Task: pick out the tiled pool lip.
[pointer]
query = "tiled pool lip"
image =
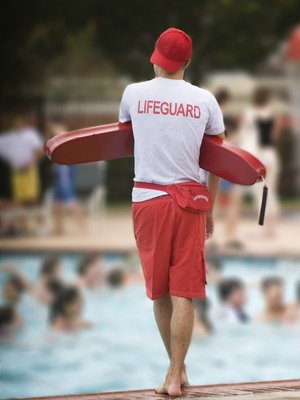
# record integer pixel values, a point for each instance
(37, 246)
(253, 390)
(113, 233)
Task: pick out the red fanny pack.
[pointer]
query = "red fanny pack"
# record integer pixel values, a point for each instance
(191, 196)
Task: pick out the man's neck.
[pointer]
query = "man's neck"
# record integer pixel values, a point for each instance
(178, 75)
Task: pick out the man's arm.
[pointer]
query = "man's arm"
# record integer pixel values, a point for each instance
(213, 186)
(124, 112)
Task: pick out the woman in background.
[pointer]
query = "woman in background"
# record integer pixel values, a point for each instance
(259, 134)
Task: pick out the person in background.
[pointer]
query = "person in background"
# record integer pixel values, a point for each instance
(66, 311)
(12, 292)
(116, 278)
(49, 272)
(22, 147)
(223, 97)
(229, 198)
(8, 322)
(202, 325)
(64, 193)
(276, 310)
(90, 272)
(260, 130)
(232, 295)
(43, 289)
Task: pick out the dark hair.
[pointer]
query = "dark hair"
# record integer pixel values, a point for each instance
(270, 281)
(63, 299)
(222, 95)
(49, 264)
(261, 96)
(116, 277)
(86, 263)
(228, 286)
(55, 286)
(7, 315)
(17, 283)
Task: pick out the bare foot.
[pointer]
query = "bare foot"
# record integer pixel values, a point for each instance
(184, 378)
(161, 390)
(173, 388)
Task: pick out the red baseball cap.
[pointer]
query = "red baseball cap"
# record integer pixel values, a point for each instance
(172, 50)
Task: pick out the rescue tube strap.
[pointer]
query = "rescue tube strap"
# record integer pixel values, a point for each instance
(262, 212)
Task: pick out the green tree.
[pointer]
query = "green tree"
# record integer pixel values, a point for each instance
(226, 34)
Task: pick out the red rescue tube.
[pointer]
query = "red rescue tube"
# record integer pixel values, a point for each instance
(113, 141)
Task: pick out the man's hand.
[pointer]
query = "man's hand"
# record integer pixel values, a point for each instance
(209, 225)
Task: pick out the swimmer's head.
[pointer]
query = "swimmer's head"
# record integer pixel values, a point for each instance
(13, 290)
(91, 270)
(273, 290)
(172, 53)
(116, 277)
(50, 268)
(68, 304)
(232, 291)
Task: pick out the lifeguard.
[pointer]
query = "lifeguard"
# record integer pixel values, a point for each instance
(169, 118)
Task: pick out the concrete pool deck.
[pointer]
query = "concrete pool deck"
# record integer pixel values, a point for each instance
(274, 390)
(112, 231)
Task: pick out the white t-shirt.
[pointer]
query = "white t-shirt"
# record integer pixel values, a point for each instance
(19, 147)
(169, 118)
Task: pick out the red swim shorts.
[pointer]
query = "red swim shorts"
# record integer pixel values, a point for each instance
(170, 241)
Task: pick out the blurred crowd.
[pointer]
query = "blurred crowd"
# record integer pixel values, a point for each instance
(30, 185)
(232, 307)
(26, 185)
(65, 300)
(33, 188)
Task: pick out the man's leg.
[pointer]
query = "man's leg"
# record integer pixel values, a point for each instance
(163, 313)
(176, 340)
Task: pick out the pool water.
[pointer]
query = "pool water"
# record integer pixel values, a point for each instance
(124, 350)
